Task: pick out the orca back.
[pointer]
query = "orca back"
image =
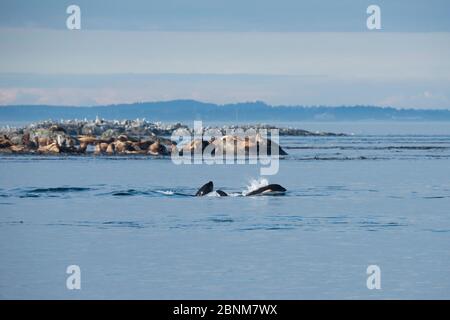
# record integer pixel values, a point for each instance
(222, 193)
(267, 190)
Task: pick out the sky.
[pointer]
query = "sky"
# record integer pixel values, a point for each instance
(282, 52)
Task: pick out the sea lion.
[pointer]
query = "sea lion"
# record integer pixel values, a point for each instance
(98, 149)
(103, 146)
(44, 141)
(111, 149)
(144, 144)
(122, 138)
(236, 145)
(154, 148)
(82, 148)
(15, 148)
(5, 142)
(157, 148)
(51, 148)
(87, 139)
(121, 146)
(194, 146)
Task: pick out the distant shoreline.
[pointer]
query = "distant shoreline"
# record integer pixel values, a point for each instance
(189, 110)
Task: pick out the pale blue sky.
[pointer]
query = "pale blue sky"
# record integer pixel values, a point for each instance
(229, 15)
(281, 52)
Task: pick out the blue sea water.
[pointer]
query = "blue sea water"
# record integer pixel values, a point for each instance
(378, 197)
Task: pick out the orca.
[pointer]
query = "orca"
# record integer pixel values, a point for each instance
(205, 189)
(271, 189)
(221, 193)
(208, 188)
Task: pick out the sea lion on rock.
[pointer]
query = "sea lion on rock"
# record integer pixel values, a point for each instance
(250, 145)
(97, 149)
(111, 149)
(144, 145)
(102, 146)
(51, 148)
(82, 148)
(87, 139)
(121, 146)
(157, 148)
(44, 141)
(15, 148)
(122, 138)
(5, 142)
(194, 146)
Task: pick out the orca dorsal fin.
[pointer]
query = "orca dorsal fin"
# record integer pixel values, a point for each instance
(205, 189)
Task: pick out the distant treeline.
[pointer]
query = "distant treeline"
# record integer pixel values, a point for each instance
(185, 110)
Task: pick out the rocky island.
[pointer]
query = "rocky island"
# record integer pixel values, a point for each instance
(111, 137)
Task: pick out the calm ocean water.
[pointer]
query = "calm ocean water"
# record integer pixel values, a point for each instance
(380, 196)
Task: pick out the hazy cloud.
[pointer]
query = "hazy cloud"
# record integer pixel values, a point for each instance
(288, 52)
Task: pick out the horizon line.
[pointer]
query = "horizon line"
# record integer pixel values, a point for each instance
(225, 105)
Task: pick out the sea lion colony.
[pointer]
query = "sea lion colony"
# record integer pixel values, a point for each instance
(116, 137)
